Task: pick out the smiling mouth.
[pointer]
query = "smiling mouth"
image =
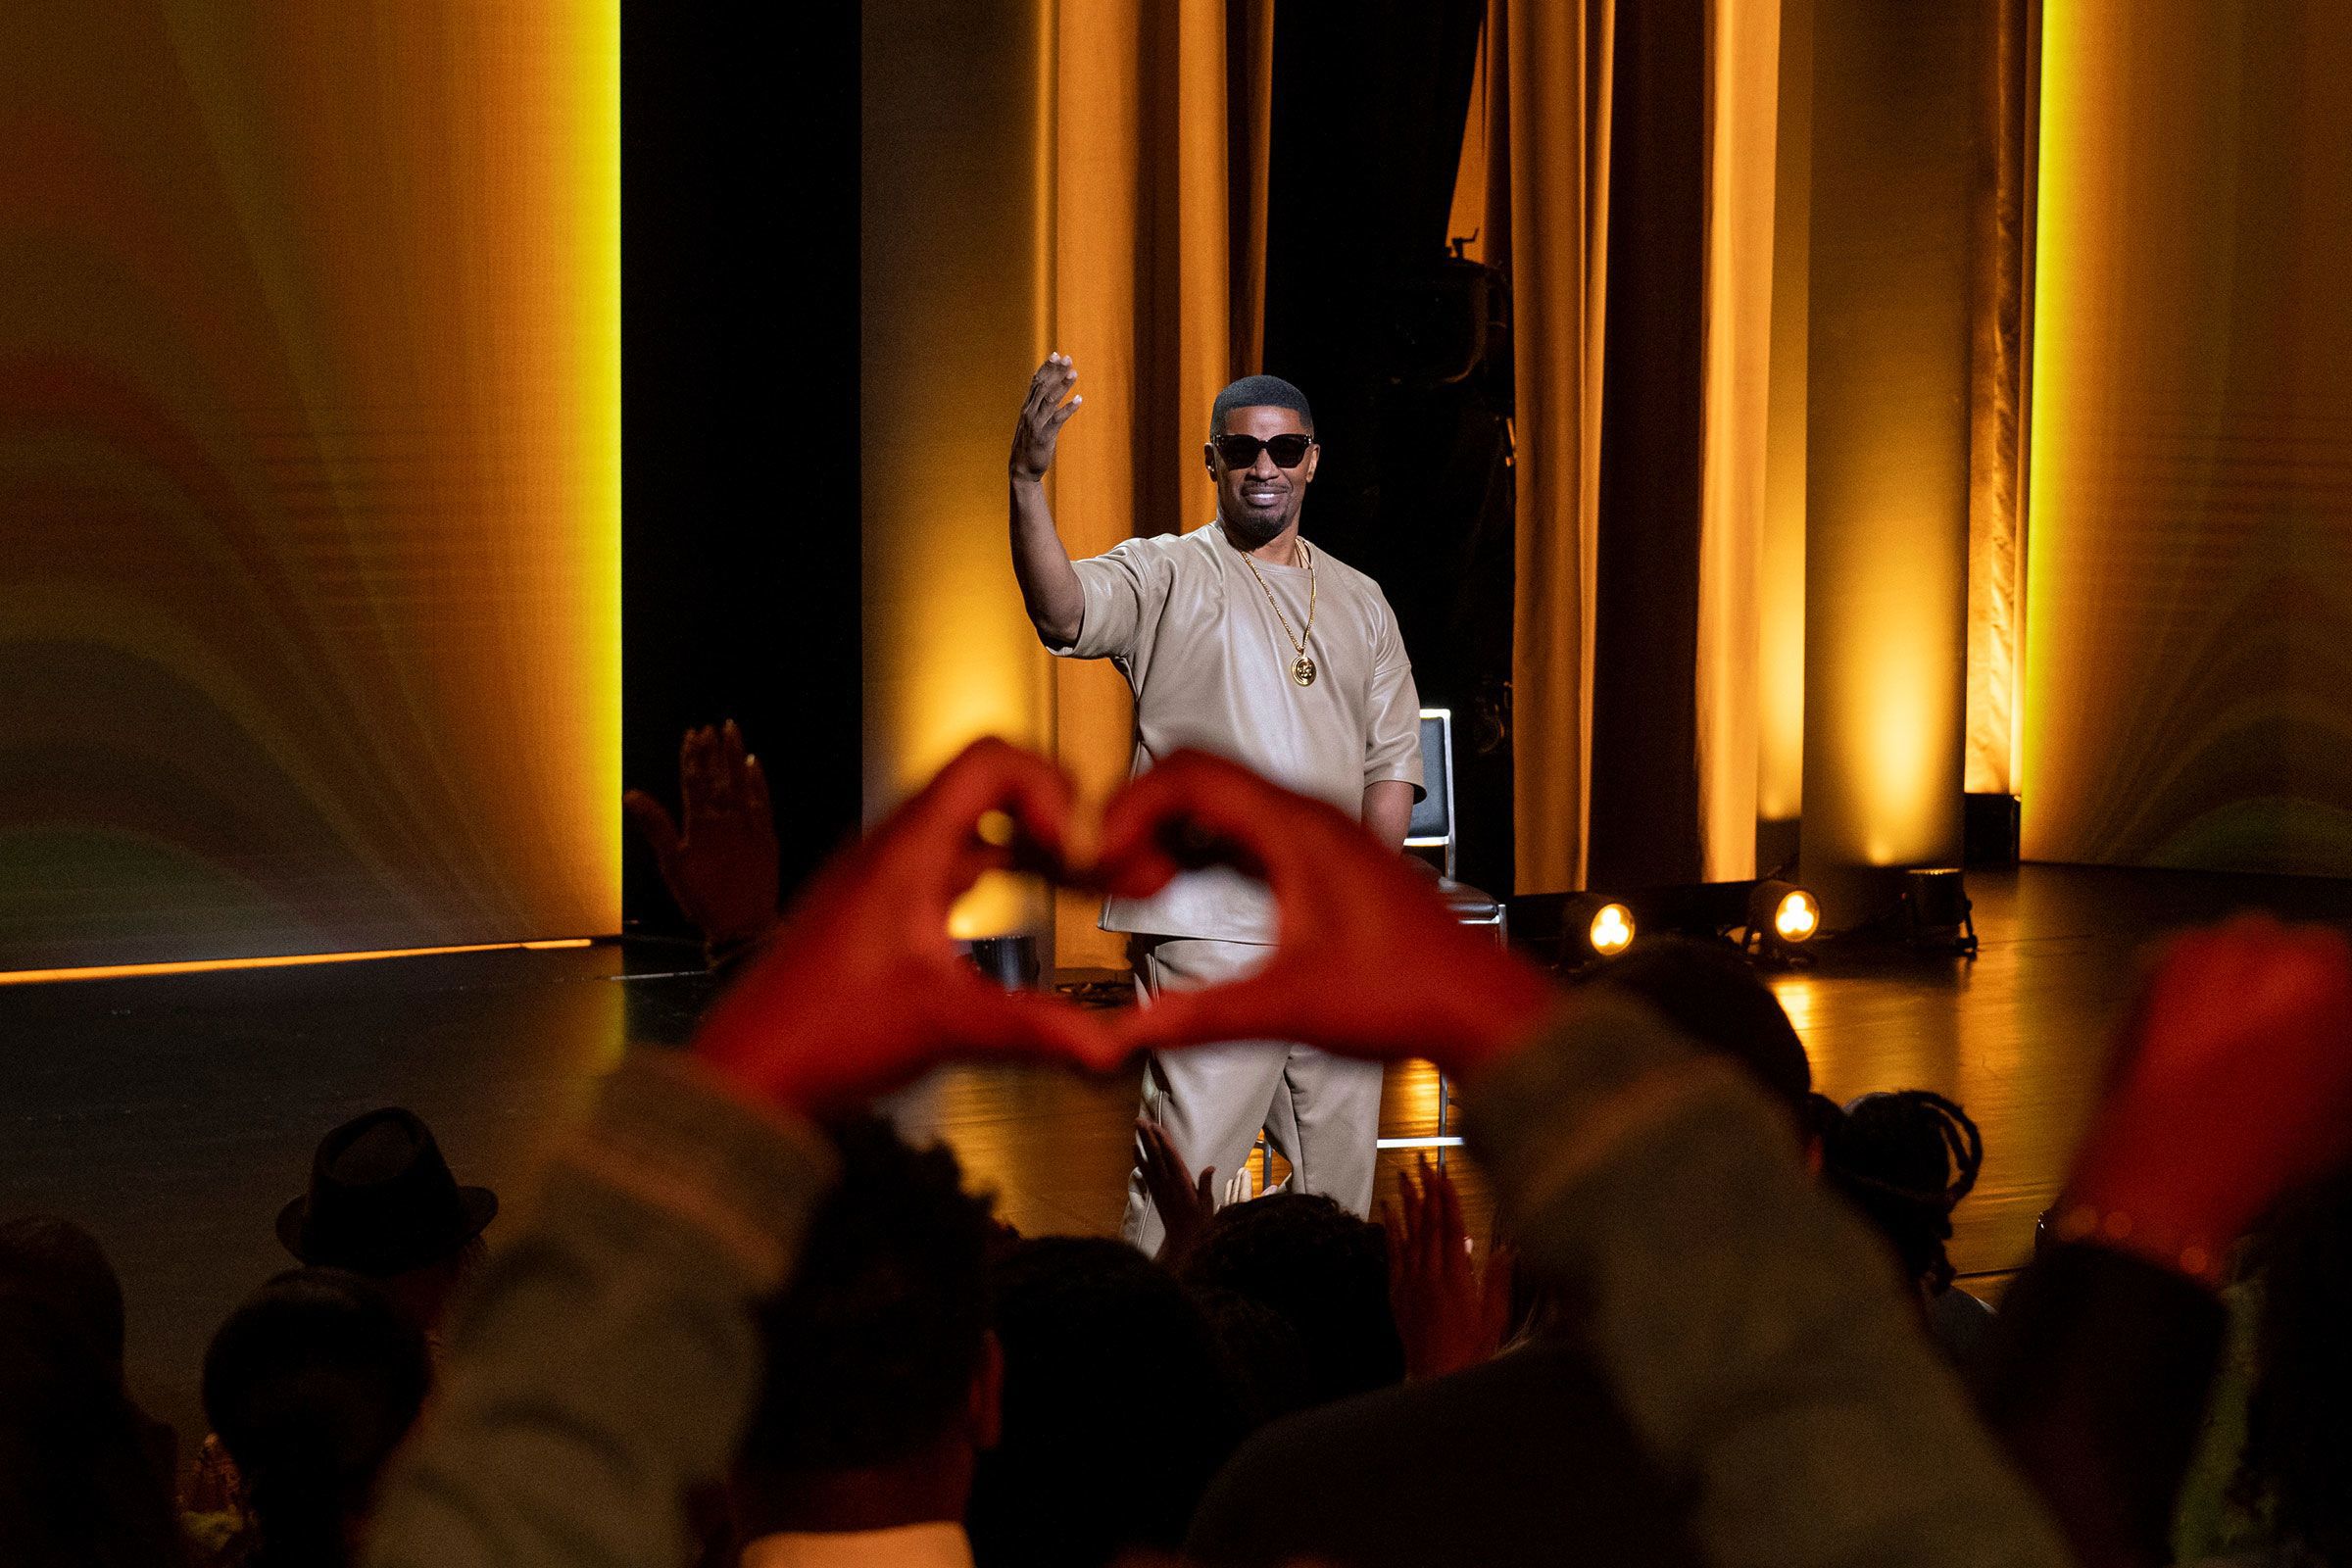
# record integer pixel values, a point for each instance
(1258, 497)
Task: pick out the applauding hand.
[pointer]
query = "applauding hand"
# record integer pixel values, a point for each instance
(1448, 1314)
(721, 865)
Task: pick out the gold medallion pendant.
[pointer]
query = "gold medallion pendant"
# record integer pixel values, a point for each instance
(1303, 671)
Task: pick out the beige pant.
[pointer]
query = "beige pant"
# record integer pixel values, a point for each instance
(1321, 1112)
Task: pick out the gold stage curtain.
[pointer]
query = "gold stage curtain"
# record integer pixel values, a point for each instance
(955, 272)
(1087, 175)
(1555, 71)
(1157, 155)
(1781, 553)
(2000, 336)
(1742, 102)
(1555, 78)
(1745, 713)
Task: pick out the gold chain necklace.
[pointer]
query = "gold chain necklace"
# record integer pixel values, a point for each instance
(1302, 669)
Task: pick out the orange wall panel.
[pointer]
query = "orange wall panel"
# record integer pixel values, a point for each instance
(309, 476)
(2189, 556)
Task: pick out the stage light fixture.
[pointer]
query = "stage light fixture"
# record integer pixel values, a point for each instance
(1612, 930)
(1935, 900)
(1795, 918)
(1781, 917)
(1594, 928)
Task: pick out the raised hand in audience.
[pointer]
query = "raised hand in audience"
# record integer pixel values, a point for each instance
(1449, 1313)
(1369, 961)
(1185, 1202)
(2233, 1083)
(860, 991)
(720, 862)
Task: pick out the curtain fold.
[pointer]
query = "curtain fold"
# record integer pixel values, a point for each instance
(1742, 104)
(1557, 69)
(2001, 264)
(1556, 73)
(1779, 681)
(1248, 140)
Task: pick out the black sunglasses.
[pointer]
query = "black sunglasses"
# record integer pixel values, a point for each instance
(1240, 451)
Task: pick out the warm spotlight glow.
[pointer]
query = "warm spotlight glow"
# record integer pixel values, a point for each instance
(1592, 928)
(1782, 915)
(953, 295)
(1887, 449)
(1798, 917)
(1612, 930)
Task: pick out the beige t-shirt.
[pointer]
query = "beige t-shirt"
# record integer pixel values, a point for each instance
(1210, 668)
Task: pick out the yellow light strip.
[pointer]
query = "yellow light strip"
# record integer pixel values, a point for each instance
(124, 971)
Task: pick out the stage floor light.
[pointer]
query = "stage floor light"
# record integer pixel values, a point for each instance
(1781, 917)
(1797, 916)
(1594, 928)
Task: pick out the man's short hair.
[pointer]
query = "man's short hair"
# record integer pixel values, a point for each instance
(1259, 392)
(1708, 992)
(311, 1385)
(873, 1348)
(61, 1264)
(1117, 1407)
(1323, 1269)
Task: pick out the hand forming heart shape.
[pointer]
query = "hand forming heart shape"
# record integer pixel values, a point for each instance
(860, 989)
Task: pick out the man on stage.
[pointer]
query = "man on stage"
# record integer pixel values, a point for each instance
(1244, 640)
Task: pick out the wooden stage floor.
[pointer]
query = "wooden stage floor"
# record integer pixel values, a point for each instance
(174, 1116)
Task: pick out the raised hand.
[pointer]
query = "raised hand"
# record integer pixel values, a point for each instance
(721, 865)
(2234, 1084)
(1185, 1202)
(1043, 415)
(1449, 1315)
(1369, 962)
(860, 991)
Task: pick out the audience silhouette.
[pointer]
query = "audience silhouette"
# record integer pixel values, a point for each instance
(310, 1386)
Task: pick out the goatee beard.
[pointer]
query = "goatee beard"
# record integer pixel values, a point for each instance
(1251, 532)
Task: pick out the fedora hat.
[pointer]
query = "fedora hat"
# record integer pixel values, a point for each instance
(381, 1199)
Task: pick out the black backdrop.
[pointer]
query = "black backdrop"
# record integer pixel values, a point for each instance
(739, 399)
(1405, 355)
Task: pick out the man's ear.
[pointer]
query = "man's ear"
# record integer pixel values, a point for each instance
(1208, 459)
(986, 1412)
(1314, 454)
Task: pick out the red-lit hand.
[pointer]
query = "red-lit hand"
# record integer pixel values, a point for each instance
(721, 864)
(860, 991)
(1448, 1315)
(2234, 1084)
(1369, 962)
